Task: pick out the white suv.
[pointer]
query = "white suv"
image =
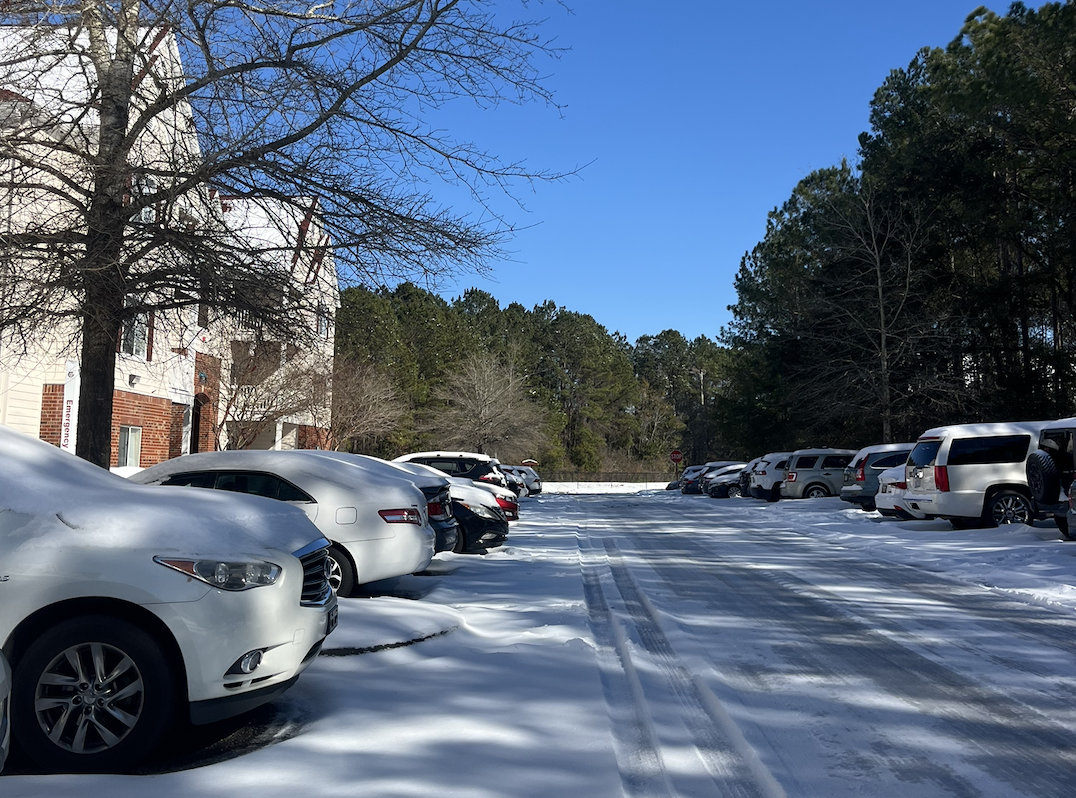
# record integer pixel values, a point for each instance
(973, 474)
(768, 474)
(123, 606)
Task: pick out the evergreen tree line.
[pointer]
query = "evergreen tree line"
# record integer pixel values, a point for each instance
(547, 383)
(930, 282)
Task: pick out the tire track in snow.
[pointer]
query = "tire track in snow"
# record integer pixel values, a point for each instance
(642, 770)
(1009, 741)
(731, 766)
(734, 766)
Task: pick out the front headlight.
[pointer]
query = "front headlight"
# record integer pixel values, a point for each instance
(483, 512)
(226, 575)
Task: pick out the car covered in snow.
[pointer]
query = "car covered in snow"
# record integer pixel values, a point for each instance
(377, 524)
(469, 465)
(433, 484)
(528, 475)
(124, 607)
(481, 518)
(5, 712)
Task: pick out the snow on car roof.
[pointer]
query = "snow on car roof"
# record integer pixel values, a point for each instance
(58, 497)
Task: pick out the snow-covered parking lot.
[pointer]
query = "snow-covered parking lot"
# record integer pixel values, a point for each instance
(653, 644)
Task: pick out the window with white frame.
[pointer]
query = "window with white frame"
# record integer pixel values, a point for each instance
(135, 339)
(130, 446)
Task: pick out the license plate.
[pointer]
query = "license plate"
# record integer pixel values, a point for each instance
(334, 617)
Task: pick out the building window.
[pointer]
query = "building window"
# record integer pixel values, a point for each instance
(135, 340)
(130, 447)
(323, 321)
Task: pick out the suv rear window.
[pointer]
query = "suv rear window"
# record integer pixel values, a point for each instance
(806, 461)
(924, 453)
(890, 460)
(995, 449)
(836, 460)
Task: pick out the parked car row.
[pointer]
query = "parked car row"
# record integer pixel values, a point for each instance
(971, 475)
(200, 587)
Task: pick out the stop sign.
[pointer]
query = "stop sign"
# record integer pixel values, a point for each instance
(676, 455)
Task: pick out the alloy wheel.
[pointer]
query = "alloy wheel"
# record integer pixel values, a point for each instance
(89, 698)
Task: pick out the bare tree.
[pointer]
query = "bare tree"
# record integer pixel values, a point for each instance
(125, 122)
(356, 402)
(262, 383)
(488, 408)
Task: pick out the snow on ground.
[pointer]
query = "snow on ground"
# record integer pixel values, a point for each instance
(490, 676)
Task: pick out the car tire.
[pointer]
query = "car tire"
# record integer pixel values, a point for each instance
(774, 494)
(815, 492)
(1043, 477)
(734, 492)
(869, 506)
(1062, 522)
(92, 694)
(1007, 507)
(341, 572)
(461, 540)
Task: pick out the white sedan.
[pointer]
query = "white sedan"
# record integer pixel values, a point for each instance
(889, 500)
(377, 523)
(5, 714)
(123, 607)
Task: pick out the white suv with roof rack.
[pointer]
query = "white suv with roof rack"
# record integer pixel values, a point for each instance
(973, 474)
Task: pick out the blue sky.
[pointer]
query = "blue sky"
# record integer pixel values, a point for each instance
(692, 125)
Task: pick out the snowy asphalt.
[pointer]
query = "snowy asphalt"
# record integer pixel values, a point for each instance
(654, 644)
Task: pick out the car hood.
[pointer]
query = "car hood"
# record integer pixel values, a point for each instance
(52, 498)
(424, 479)
(465, 490)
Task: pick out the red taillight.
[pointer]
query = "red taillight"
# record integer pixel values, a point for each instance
(941, 478)
(901, 485)
(761, 473)
(408, 515)
(861, 475)
(436, 510)
(791, 476)
(511, 509)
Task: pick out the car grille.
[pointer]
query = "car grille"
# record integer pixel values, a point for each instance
(316, 590)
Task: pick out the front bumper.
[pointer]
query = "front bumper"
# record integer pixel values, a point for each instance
(214, 632)
(481, 533)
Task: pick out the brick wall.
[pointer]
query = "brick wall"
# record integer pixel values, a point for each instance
(52, 410)
(206, 397)
(312, 438)
(153, 414)
(175, 437)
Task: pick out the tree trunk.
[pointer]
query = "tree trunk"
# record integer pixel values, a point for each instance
(103, 270)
